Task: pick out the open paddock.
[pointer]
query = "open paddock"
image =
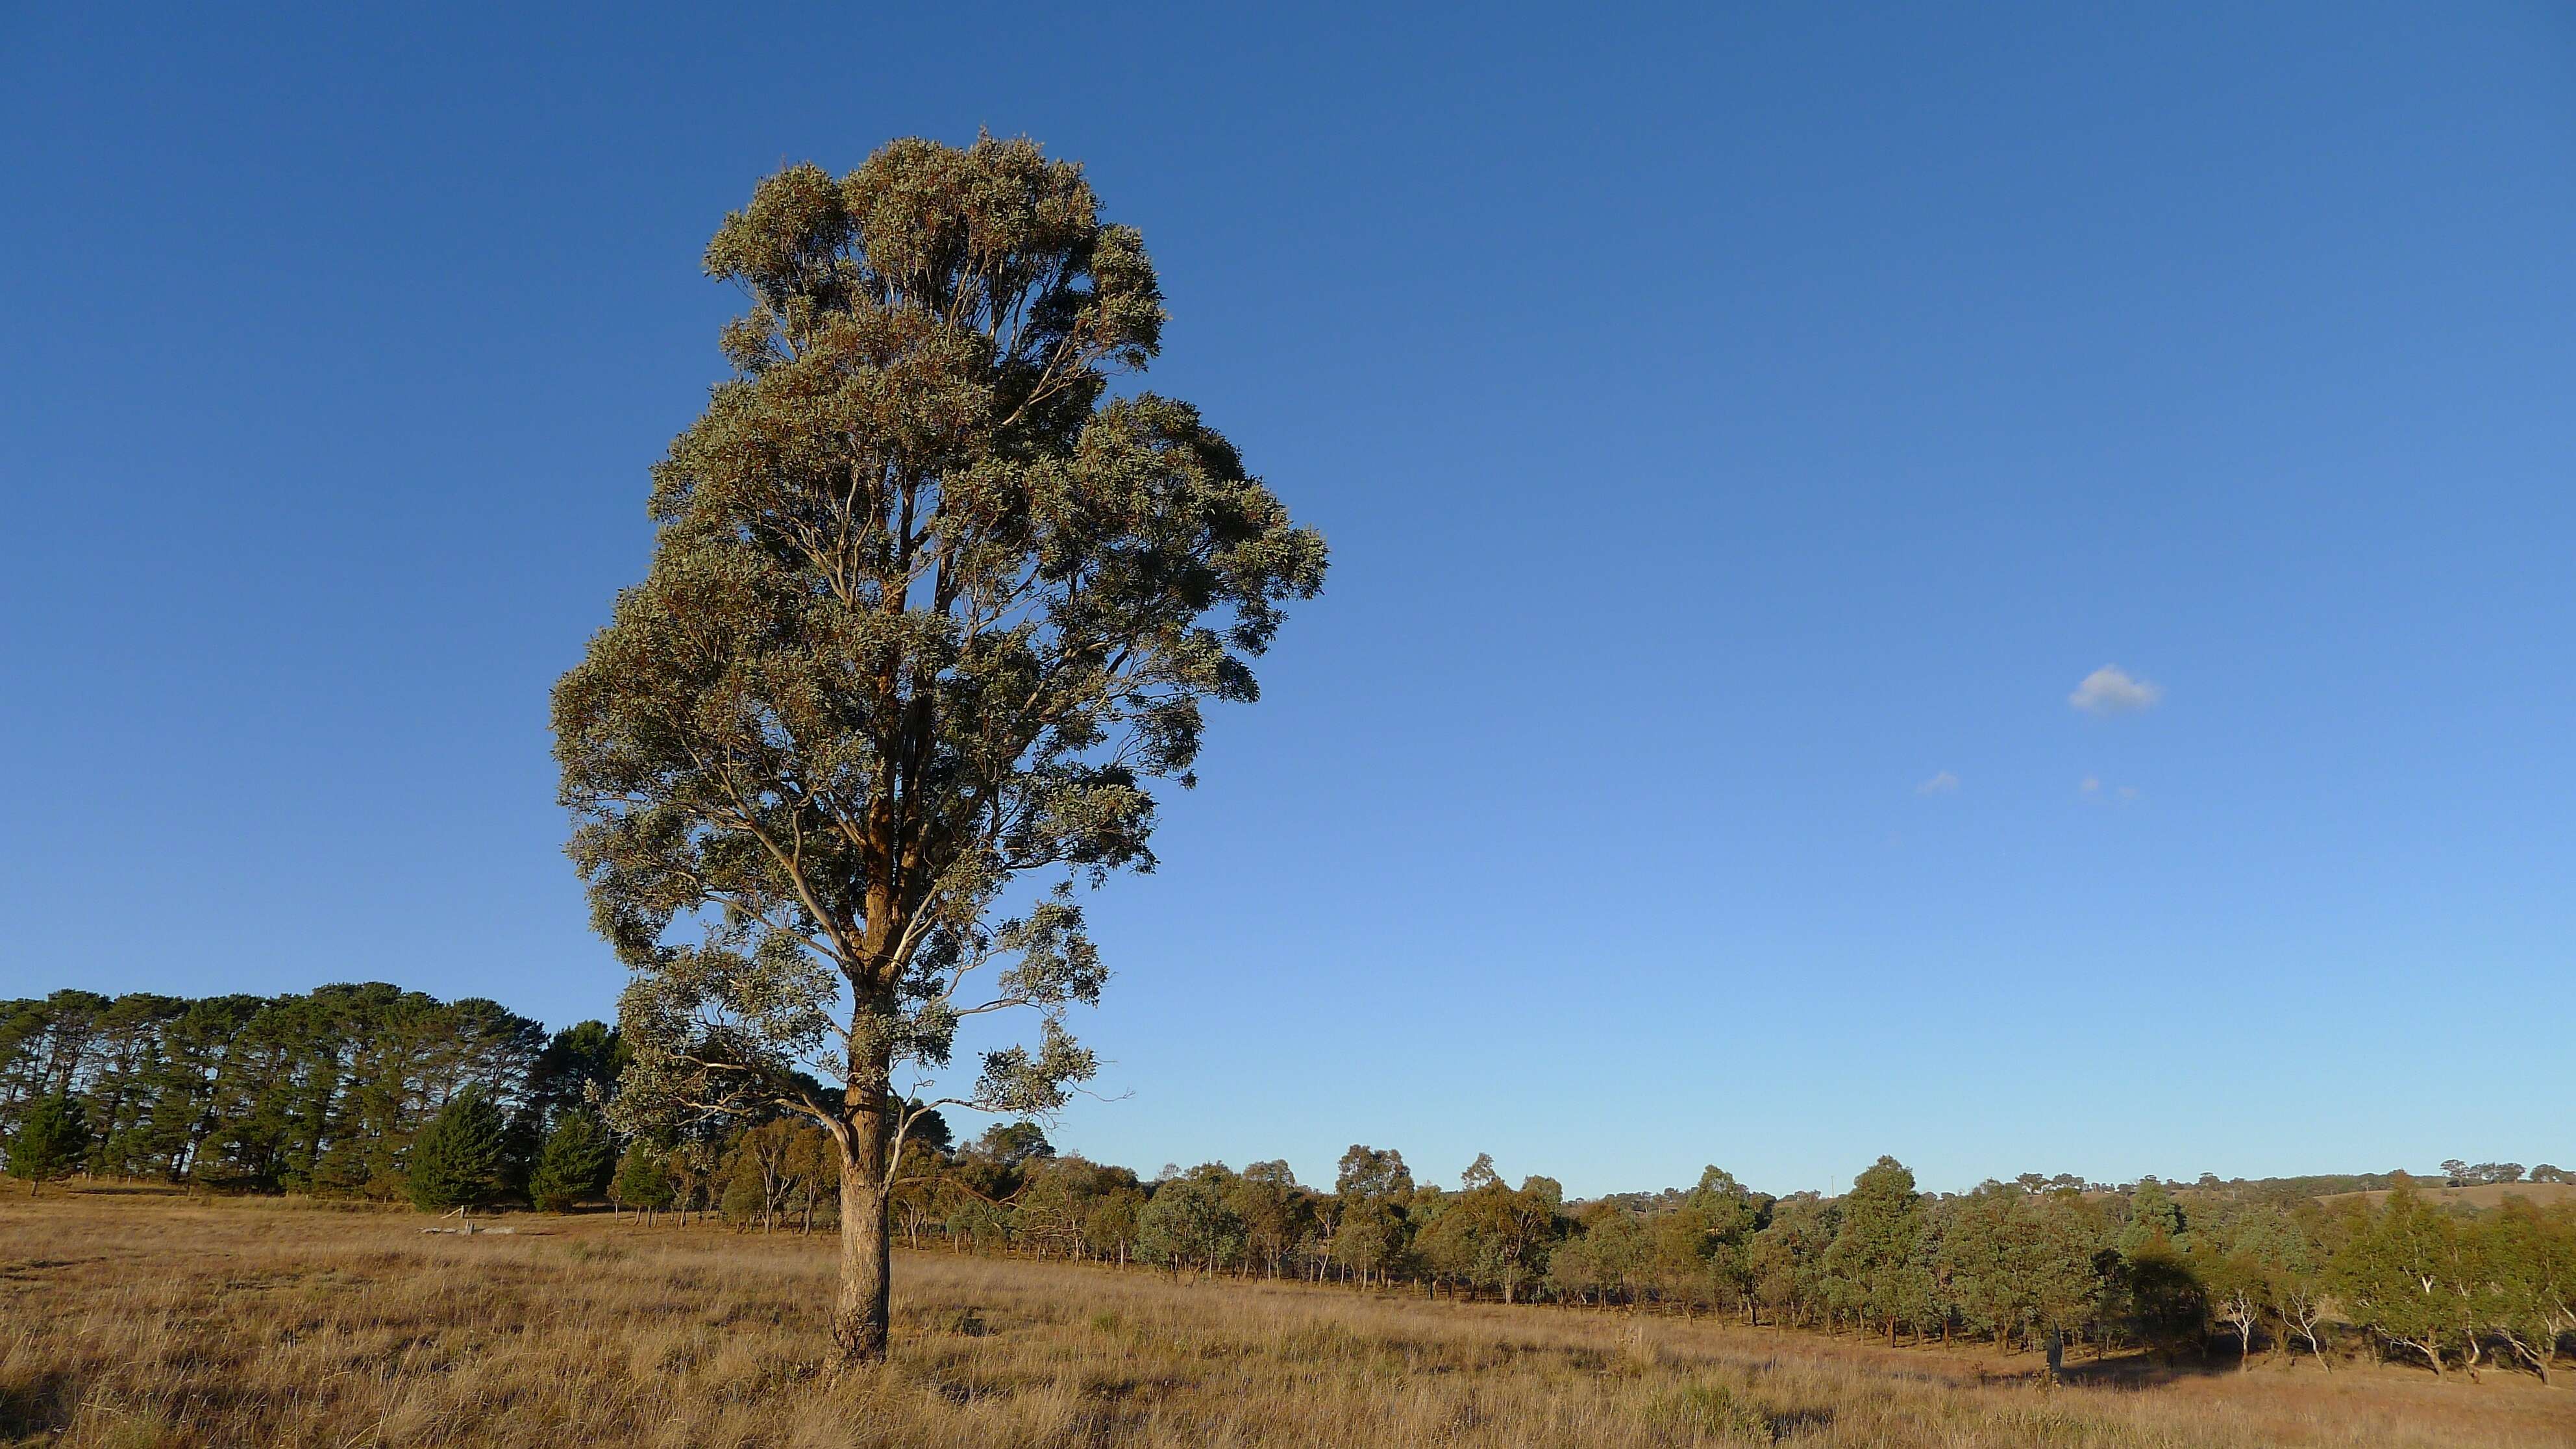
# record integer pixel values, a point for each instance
(135, 1319)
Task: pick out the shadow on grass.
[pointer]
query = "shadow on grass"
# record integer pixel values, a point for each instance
(42, 1406)
(1798, 1421)
(2148, 1371)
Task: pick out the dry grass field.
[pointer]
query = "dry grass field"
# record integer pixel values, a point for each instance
(135, 1320)
(2484, 1196)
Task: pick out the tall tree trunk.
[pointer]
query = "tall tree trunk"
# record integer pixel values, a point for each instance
(860, 1315)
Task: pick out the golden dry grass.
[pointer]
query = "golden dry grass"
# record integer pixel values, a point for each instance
(2484, 1195)
(138, 1320)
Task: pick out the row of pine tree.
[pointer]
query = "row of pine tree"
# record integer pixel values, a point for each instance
(360, 1090)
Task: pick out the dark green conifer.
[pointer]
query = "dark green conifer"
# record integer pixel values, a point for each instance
(574, 1163)
(457, 1160)
(50, 1141)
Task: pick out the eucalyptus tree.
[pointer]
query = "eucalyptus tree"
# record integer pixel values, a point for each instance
(1274, 1209)
(2067, 1265)
(1979, 1253)
(2532, 1257)
(1882, 1227)
(1188, 1223)
(1731, 1214)
(1787, 1257)
(2267, 1264)
(2393, 1277)
(1593, 1264)
(1373, 1192)
(2237, 1288)
(1490, 1236)
(930, 610)
(1109, 1228)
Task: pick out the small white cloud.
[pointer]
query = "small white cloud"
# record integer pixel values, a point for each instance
(1944, 783)
(2113, 690)
(2092, 788)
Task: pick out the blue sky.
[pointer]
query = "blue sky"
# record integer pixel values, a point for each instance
(1739, 435)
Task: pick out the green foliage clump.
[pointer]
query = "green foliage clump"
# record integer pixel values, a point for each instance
(1877, 1255)
(574, 1162)
(2154, 1217)
(457, 1161)
(1492, 1237)
(2400, 1275)
(643, 1180)
(1187, 1223)
(2168, 1302)
(52, 1138)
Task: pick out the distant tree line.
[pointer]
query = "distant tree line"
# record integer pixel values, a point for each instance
(369, 1091)
(361, 1090)
(2456, 1173)
(2047, 1264)
(2039, 1263)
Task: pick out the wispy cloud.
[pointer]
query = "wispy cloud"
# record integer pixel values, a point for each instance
(2113, 690)
(2092, 785)
(1944, 783)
